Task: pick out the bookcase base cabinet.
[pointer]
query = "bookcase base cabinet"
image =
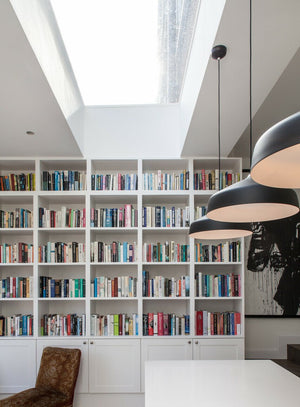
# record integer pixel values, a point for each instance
(114, 365)
(190, 349)
(82, 385)
(18, 365)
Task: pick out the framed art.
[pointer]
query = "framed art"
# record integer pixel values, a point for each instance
(272, 280)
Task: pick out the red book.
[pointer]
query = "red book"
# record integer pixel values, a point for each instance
(120, 324)
(203, 179)
(222, 324)
(237, 323)
(150, 323)
(160, 324)
(115, 281)
(69, 324)
(199, 322)
(14, 293)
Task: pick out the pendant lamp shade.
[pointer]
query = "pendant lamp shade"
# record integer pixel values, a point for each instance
(208, 229)
(276, 155)
(247, 201)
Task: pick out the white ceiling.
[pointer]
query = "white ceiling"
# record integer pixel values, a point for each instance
(28, 103)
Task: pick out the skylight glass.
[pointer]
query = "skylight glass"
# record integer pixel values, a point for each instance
(127, 51)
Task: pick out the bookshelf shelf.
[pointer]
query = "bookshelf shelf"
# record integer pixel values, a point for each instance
(88, 202)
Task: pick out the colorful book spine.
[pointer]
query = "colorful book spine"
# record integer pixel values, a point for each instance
(16, 325)
(114, 182)
(217, 323)
(167, 324)
(114, 325)
(59, 252)
(166, 252)
(63, 325)
(115, 252)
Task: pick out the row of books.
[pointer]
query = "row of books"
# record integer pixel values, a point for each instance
(210, 179)
(217, 323)
(200, 211)
(16, 287)
(114, 182)
(59, 252)
(106, 287)
(63, 218)
(116, 252)
(163, 181)
(18, 218)
(161, 216)
(16, 325)
(166, 252)
(114, 217)
(165, 324)
(63, 325)
(222, 252)
(16, 253)
(160, 286)
(62, 288)
(114, 325)
(221, 285)
(17, 182)
(59, 180)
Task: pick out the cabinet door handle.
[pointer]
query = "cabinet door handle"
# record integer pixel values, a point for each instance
(189, 342)
(84, 342)
(196, 342)
(92, 343)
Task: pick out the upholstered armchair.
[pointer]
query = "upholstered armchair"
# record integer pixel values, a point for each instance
(55, 383)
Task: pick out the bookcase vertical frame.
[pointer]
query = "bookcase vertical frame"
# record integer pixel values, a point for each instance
(192, 251)
(36, 250)
(87, 248)
(140, 247)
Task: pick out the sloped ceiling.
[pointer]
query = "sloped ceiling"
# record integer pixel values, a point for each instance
(26, 99)
(276, 40)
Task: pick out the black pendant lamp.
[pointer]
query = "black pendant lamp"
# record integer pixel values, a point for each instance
(276, 155)
(248, 201)
(208, 229)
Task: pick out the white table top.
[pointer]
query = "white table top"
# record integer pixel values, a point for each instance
(212, 383)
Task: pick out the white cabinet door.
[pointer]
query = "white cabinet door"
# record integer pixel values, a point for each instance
(164, 349)
(83, 378)
(218, 349)
(114, 366)
(18, 365)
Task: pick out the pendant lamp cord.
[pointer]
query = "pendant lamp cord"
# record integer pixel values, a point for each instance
(250, 80)
(219, 120)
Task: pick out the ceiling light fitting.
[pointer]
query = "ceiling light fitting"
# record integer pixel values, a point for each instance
(208, 229)
(248, 201)
(276, 155)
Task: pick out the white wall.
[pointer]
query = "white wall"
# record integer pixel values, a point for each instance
(132, 131)
(266, 338)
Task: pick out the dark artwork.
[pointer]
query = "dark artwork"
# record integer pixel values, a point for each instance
(273, 268)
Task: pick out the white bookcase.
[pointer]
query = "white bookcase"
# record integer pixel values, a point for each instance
(144, 348)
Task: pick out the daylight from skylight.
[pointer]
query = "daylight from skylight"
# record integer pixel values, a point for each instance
(127, 51)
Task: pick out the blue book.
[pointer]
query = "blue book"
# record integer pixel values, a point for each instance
(125, 245)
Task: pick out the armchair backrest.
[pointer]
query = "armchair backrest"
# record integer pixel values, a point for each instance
(59, 370)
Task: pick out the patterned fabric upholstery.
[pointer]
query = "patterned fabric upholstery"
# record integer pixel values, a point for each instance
(55, 383)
